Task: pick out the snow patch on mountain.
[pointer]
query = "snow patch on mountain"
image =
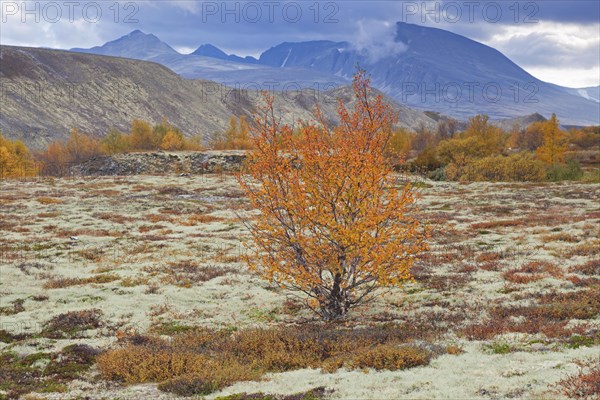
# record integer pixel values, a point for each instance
(286, 58)
(588, 93)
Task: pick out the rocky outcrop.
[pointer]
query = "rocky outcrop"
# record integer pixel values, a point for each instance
(159, 163)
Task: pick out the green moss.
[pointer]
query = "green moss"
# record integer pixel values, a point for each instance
(53, 387)
(189, 386)
(421, 185)
(6, 337)
(44, 372)
(245, 396)
(500, 348)
(31, 359)
(313, 394)
(262, 315)
(577, 341)
(171, 328)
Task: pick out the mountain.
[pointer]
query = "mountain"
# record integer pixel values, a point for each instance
(519, 122)
(424, 68)
(323, 55)
(46, 92)
(210, 63)
(137, 45)
(208, 50)
(436, 69)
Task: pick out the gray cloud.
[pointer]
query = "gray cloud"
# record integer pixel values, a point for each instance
(238, 28)
(539, 50)
(375, 40)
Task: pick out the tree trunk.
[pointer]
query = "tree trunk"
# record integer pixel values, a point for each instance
(336, 303)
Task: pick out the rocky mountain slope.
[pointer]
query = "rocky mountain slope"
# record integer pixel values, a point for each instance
(47, 92)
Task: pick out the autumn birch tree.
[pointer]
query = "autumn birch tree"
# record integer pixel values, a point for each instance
(333, 222)
(555, 143)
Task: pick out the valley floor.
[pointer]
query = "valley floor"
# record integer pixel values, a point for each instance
(113, 252)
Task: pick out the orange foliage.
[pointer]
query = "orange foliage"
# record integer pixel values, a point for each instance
(173, 141)
(333, 223)
(141, 137)
(401, 143)
(15, 159)
(527, 139)
(586, 137)
(78, 148)
(235, 138)
(555, 142)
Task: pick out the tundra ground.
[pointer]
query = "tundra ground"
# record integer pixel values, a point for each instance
(511, 284)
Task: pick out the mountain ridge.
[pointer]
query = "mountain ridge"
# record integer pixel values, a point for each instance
(431, 69)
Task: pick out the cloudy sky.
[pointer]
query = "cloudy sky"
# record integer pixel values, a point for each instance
(556, 41)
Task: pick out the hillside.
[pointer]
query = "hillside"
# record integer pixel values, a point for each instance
(48, 92)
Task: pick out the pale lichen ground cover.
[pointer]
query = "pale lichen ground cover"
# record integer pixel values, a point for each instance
(163, 253)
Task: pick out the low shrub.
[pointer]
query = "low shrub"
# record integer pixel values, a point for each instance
(531, 272)
(189, 386)
(522, 167)
(565, 172)
(201, 361)
(59, 283)
(500, 347)
(583, 304)
(43, 372)
(313, 394)
(72, 361)
(186, 273)
(589, 268)
(438, 174)
(70, 324)
(550, 316)
(516, 276)
(583, 385)
(390, 357)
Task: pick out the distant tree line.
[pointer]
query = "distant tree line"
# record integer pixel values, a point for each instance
(484, 152)
(481, 152)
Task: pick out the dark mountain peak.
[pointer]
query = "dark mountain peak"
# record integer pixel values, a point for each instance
(536, 117)
(302, 54)
(138, 35)
(136, 44)
(208, 50)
